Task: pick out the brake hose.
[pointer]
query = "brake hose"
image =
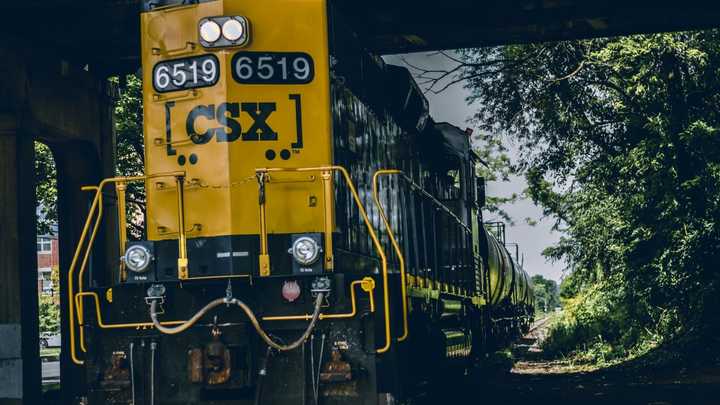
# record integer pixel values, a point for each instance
(253, 319)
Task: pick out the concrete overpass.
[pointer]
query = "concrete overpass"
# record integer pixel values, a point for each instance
(105, 33)
(57, 54)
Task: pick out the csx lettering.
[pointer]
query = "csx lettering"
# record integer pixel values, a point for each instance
(259, 130)
(227, 116)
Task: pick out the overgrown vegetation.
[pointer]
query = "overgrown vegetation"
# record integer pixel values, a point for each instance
(547, 294)
(49, 306)
(49, 318)
(619, 142)
(598, 327)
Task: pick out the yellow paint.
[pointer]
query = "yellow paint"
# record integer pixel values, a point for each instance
(225, 203)
(371, 231)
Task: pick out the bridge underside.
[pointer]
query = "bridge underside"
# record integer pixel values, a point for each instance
(104, 33)
(409, 26)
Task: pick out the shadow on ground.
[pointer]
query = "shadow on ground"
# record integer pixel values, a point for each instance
(647, 380)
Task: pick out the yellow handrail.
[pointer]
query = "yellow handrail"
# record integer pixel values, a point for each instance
(96, 206)
(83, 235)
(395, 246)
(261, 172)
(367, 284)
(182, 261)
(103, 325)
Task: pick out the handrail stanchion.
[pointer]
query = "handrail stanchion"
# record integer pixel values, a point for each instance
(75, 308)
(264, 258)
(326, 177)
(182, 261)
(368, 225)
(395, 245)
(120, 189)
(71, 304)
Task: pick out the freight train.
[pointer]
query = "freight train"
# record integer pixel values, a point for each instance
(312, 235)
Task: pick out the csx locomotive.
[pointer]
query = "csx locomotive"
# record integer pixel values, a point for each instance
(311, 234)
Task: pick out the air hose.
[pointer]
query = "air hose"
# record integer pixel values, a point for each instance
(253, 319)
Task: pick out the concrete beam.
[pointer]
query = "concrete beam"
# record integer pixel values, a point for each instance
(54, 99)
(44, 97)
(19, 350)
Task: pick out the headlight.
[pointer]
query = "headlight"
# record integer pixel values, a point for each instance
(137, 258)
(233, 30)
(210, 31)
(305, 251)
(224, 31)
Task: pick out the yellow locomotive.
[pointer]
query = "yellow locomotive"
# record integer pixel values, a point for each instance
(308, 225)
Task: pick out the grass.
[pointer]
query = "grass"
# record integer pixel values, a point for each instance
(595, 330)
(50, 352)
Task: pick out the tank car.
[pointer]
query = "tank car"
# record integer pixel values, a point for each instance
(312, 235)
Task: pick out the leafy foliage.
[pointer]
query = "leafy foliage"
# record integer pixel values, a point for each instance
(619, 142)
(598, 326)
(46, 189)
(49, 314)
(130, 148)
(547, 294)
(130, 159)
(495, 167)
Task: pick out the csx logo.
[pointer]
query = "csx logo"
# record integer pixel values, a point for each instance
(229, 129)
(222, 122)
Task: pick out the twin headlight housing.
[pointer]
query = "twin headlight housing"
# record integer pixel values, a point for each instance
(224, 31)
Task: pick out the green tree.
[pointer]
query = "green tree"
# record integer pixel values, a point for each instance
(619, 142)
(495, 167)
(49, 315)
(130, 153)
(547, 294)
(128, 118)
(46, 189)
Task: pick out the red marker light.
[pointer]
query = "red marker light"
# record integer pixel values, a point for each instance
(291, 291)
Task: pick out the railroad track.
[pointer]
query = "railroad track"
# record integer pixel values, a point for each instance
(538, 324)
(531, 341)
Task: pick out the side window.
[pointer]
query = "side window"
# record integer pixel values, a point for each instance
(44, 245)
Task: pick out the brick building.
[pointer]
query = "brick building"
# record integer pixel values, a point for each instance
(47, 257)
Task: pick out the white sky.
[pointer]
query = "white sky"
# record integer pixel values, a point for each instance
(450, 106)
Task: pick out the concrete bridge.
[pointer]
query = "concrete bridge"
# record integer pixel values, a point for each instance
(55, 57)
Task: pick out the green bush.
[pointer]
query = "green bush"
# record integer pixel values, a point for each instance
(49, 312)
(598, 326)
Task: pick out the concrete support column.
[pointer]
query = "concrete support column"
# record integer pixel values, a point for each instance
(20, 379)
(78, 164)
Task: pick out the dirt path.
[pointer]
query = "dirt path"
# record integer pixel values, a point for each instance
(536, 381)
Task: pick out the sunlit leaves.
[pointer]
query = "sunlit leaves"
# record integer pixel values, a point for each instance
(619, 142)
